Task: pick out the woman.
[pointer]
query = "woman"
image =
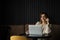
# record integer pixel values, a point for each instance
(44, 22)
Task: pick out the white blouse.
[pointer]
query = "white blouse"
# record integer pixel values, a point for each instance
(45, 28)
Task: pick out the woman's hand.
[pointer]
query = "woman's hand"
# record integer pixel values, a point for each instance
(27, 32)
(47, 20)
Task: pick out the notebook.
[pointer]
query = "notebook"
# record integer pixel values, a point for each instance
(35, 30)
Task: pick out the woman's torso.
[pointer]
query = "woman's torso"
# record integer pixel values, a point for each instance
(46, 29)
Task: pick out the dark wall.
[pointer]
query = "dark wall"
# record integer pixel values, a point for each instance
(27, 11)
(12, 12)
(34, 7)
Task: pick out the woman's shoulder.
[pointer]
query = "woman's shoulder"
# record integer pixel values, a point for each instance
(38, 22)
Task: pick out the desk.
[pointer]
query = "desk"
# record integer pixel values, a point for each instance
(41, 37)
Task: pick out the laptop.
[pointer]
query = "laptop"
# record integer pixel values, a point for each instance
(35, 30)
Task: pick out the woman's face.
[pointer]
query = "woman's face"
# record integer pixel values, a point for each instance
(43, 17)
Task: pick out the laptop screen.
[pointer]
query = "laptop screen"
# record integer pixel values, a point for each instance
(35, 29)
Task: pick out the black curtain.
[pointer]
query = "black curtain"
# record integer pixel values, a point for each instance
(34, 7)
(17, 12)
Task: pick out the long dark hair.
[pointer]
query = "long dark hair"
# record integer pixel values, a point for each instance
(46, 15)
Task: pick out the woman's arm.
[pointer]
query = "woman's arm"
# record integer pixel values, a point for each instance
(47, 20)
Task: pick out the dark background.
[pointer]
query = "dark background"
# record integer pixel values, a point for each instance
(17, 12)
